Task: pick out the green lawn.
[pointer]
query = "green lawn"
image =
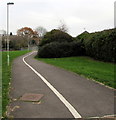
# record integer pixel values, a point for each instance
(6, 76)
(92, 69)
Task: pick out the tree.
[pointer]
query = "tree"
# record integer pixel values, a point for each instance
(41, 31)
(63, 27)
(25, 31)
(28, 34)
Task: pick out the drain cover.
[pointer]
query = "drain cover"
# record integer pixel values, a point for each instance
(31, 97)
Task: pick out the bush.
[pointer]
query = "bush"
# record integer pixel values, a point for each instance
(64, 49)
(77, 49)
(58, 44)
(80, 38)
(101, 45)
(55, 36)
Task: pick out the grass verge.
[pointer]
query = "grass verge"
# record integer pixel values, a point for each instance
(6, 76)
(100, 71)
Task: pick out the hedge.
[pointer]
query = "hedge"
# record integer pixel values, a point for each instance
(100, 45)
(56, 36)
(57, 50)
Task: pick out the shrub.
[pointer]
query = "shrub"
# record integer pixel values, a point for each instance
(64, 49)
(80, 38)
(101, 45)
(77, 49)
(55, 36)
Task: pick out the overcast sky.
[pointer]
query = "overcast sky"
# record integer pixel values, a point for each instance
(93, 15)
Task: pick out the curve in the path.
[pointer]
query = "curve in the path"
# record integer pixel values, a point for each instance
(55, 91)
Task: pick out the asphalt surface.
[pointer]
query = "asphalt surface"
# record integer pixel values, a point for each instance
(89, 98)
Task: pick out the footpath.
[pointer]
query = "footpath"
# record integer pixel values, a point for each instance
(75, 95)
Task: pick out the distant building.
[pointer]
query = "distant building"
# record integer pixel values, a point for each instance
(2, 32)
(115, 14)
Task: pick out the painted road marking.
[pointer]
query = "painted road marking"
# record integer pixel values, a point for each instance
(66, 103)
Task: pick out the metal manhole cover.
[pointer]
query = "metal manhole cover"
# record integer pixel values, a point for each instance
(31, 97)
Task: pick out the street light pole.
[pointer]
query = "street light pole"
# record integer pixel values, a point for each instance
(115, 14)
(10, 3)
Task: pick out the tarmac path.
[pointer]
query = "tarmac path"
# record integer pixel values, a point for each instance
(65, 94)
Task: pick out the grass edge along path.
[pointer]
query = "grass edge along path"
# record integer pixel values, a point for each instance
(6, 76)
(99, 71)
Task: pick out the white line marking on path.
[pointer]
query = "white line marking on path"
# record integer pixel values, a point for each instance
(66, 103)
